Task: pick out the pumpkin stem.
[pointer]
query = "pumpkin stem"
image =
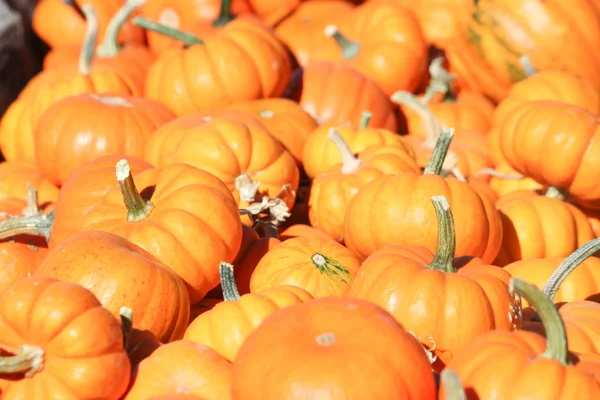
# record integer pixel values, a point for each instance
(568, 265)
(452, 385)
(526, 63)
(228, 285)
(349, 48)
(32, 207)
(186, 38)
(225, 16)
(331, 267)
(436, 162)
(496, 174)
(29, 361)
(40, 224)
(350, 163)
(556, 337)
(126, 315)
(555, 193)
(365, 118)
(75, 7)
(411, 101)
(446, 246)
(266, 228)
(89, 44)
(110, 44)
(247, 188)
(138, 209)
(440, 82)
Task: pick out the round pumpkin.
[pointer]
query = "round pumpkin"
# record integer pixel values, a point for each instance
(15, 176)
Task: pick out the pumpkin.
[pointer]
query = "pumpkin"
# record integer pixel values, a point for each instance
(320, 266)
(177, 215)
(477, 364)
(284, 119)
(383, 42)
(204, 305)
(504, 180)
(488, 49)
(225, 327)
(120, 273)
(85, 188)
(445, 301)
(395, 209)
(233, 146)
(61, 24)
(182, 367)
(302, 230)
(18, 123)
(321, 153)
(120, 125)
(273, 11)
(337, 94)
(253, 65)
(132, 59)
(593, 217)
(15, 176)
(332, 190)
(47, 348)
(493, 147)
(333, 339)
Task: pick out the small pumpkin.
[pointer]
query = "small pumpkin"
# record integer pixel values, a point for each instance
(503, 179)
(16, 176)
(302, 230)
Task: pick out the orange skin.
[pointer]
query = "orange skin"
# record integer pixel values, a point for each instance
(273, 11)
(187, 201)
(558, 131)
(300, 230)
(321, 155)
(378, 28)
(83, 190)
(59, 25)
(226, 326)
(120, 125)
(332, 338)
(477, 367)
(226, 144)
(302, 31)
(322, 267)
(483, 189)
(506, 186)
(211, 75)
(487, 49)
(493, 146)
(396, 210)
(182, 367)
(539, 227)
(14, 177)
(95, 260)
(204, 305)
(337, 94)
(397, 278)
(284, 119)
(140, 344)
(49, 314)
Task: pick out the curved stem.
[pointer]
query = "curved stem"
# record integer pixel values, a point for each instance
(365, 118)
(138, 209)
(110, 44)
(452, 385)
(446, 246)
(418, 106)
(228, 285)
(440, 82)
(186, 38)
(39, 224)
(556, 337)
(126, 315)
(29, 360)
(526, 63)
(568, 265)
(492, 172)
(349, 48)
(555, 193)
(436, 162)
(225, 16)
(349, 163)
(89, 44)
(331, 268)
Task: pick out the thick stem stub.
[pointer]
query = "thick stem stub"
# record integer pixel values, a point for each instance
(452, 385)
(29, 361)
(349, 48)
(446, 245)
(138, 209)
(436, 162)
(38, 224)
(228, 285)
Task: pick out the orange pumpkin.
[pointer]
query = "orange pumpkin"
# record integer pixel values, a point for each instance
(253, 64)
(39, 318)
(333, 339)
(301, 230)
(445, 301)
(182, 215)
(15, 176)
(504, 180)
(121, 125)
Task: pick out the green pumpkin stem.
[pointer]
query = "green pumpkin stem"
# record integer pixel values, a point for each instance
(266, 228)
(526, 63)
(440, 82)
(452, 385)
(110, 44)
(446, 246)
(126, 315)
(29, 361)
(349, 163)
(184, 37)
(440, 151)
(138, 209)
(225, 15)
(228, 285)
(568, 265)
(556, 337)
(349, 48)
(555, 193)
(38, 224)
(332, 268)
(89, 44)
(365, 119)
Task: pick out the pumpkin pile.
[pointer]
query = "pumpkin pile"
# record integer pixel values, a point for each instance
(327, 199)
